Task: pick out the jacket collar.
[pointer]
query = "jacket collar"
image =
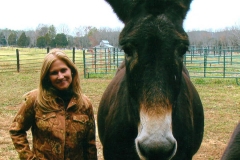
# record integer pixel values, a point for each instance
(72, 102)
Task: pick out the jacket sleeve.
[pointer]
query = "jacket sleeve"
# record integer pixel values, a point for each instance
(22, 123)
(90, 148)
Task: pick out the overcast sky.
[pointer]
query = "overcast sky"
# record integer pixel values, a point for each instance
(27, 14)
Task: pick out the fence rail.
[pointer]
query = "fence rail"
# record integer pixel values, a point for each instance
(213, 63)
(205, 62)
(101, 61)
(24, 61)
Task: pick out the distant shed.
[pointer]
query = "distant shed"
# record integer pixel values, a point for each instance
(103, 59)
(103, 45)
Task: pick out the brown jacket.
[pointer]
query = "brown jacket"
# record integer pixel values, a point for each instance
(66, 134)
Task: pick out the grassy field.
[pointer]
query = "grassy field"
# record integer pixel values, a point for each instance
(220, 98)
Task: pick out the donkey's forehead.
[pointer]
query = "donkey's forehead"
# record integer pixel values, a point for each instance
(149, 26)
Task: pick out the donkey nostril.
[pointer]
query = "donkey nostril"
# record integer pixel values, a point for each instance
(172, 151)
(155, 151)
(143, 150)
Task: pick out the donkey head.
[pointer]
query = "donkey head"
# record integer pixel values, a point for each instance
(154, 43)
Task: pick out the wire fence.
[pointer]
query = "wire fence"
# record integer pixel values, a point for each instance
(102, 61)
(24, 60)
(213, 62)
(204, 62)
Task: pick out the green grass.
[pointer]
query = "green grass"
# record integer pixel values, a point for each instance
(220, 98)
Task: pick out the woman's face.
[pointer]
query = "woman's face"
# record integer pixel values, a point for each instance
(60, 75)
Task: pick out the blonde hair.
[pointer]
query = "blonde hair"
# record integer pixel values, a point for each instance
(46, 96)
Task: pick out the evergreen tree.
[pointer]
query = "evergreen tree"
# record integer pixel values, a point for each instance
(28, 41)
(12, 39)
(61, 40)
(47, 39)
(71, 41)
(41, 42)
(2, 39)
(22, 41)
(53, 43)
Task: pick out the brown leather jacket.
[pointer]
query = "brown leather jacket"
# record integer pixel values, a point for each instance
(66, 134)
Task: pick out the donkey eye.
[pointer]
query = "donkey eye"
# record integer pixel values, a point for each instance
(182, 49)
(128, 51)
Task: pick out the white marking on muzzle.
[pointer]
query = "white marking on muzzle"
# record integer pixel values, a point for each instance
(155, 136)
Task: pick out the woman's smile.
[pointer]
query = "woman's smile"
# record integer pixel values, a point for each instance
(60, 75)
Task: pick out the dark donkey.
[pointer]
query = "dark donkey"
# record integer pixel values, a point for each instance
(151, 110)
(232, 151)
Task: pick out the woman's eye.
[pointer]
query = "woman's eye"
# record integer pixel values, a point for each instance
(63, 70)
(53, 73)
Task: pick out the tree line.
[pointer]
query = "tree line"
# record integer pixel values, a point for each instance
(50, 36)
(229, 36)
(88, 36)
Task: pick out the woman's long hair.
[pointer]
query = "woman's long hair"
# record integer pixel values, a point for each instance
(46, 96)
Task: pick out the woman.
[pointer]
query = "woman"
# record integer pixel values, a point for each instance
(61, 118)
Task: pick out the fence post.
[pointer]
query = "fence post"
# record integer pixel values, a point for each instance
(105, 57)
(191, 52)
(84, 64)
(18, 60)
(114, 56)
(47, 50)
(231, 50)
(73, 56)
(117, 57)
(224, 63)
(95, 59)
(219, 54)
(185, 58)
(220, 48)
(214, 50)
(110, 59)
(205, 61)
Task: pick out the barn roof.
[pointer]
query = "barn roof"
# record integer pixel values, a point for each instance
(104, 44)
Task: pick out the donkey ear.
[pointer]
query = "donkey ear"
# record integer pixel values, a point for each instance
(122, 8)
(179, 7)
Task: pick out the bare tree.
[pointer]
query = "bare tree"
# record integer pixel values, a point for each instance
(81, 33)
(41, 30)
(33, 38)
(6, 32)
(109, 34)
(234, 35)
(63, 28)
(52, 32)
